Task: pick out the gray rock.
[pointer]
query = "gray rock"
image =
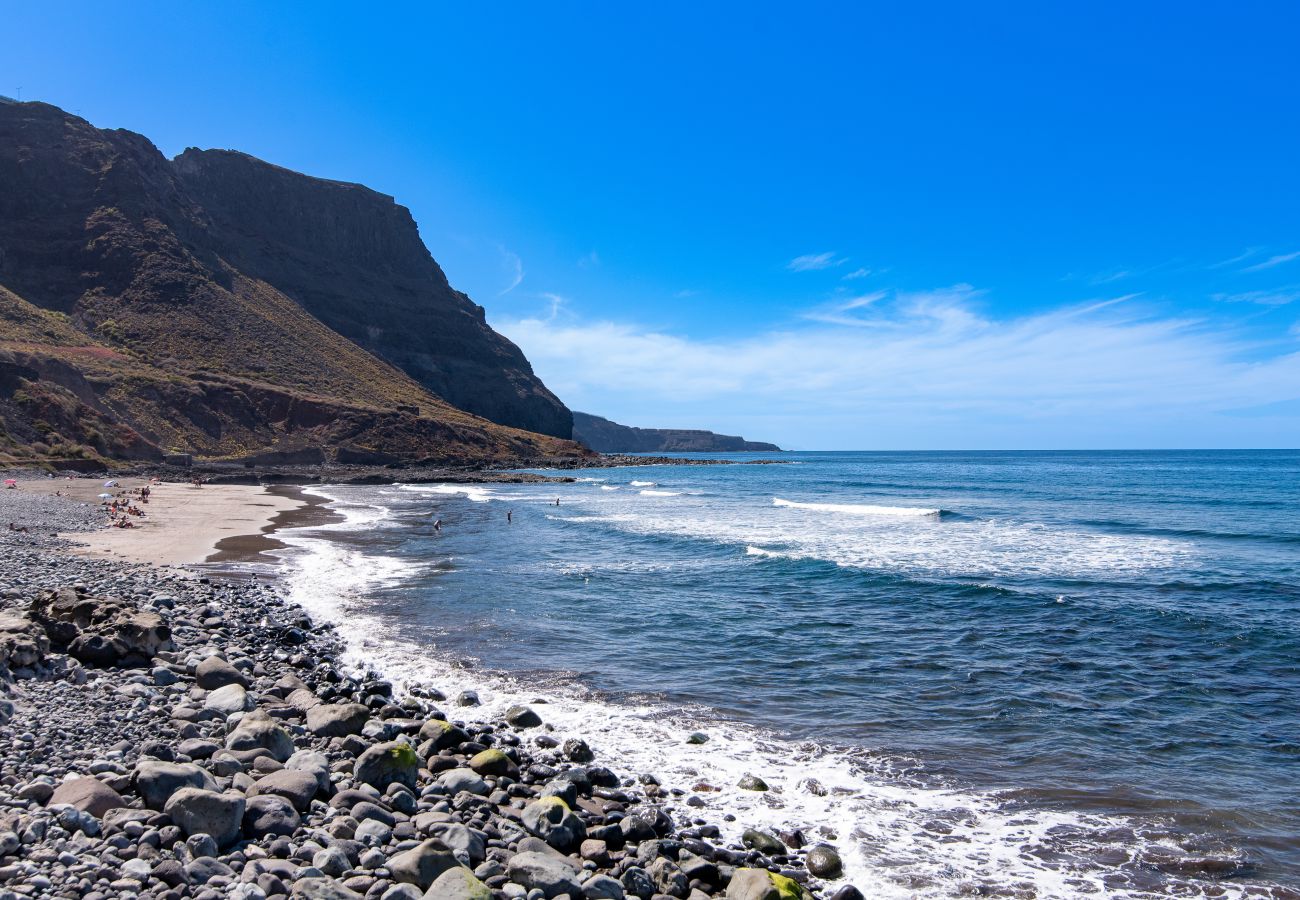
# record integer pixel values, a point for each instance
(547, 872)
(402, 892)
(299, 788)
(551, 820)
(760, 884)
(522, 717)
(444, 735)
(229, 700)
(638, 883)
(752, 783)
(196, 811)
(460, 838)
(824, 862)
(337, 719)
(457, 780)
(322, 889)
(762, 842)
(87, 795)
(458, 884)
(23, 642)
(258, 730)
(668, 878)
(155, 781)
(384, 764)
(314, 763)
(602, 887)
(422, 864)
(214, 672)
(332, 861)
(270, 814)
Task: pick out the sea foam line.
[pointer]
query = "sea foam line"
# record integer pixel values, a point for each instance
(857, 509)
(884, 828)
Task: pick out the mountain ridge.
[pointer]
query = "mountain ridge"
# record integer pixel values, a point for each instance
(605, 436)
(138, 321)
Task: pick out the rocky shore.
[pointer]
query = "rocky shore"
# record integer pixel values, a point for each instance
(169, 736)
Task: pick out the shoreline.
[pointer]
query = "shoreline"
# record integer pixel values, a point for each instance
(494, 807)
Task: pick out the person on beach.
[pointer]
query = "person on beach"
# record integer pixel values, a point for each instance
(510, 516)
(557, 501)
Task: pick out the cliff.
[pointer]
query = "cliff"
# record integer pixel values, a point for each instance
(605, 436)
(218, 305)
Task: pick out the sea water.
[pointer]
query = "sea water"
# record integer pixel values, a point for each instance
(1028, 674)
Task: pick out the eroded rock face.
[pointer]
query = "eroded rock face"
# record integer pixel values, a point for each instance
(23, 642)
(101, 631)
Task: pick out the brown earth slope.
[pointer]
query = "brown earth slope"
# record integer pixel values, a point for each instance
(128, 327)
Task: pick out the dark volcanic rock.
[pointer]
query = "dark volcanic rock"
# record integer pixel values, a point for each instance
(605, 436)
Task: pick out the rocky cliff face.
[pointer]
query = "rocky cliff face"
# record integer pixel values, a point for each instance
(353, 258)
(219, 305)
(605, 436)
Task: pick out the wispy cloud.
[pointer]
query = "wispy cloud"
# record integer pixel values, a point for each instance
(1240, 257)
(932, 371)
(1272, 261)
(813, 262)
(515, 268)
(855, 274)
(1275, 297)
(556, 303)
(1108, 277)
(589, 261)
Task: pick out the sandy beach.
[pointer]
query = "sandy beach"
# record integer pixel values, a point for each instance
(183, 524)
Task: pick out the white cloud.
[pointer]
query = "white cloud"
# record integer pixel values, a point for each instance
(856, 273)
(1273, 261)
(928, 370)
(813, 262)
(1275, 297)
(590, 261)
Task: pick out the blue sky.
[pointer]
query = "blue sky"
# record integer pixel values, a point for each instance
(828, 225)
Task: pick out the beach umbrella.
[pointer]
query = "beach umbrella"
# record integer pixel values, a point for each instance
(105, 496)
(10, 482)
(110, 484)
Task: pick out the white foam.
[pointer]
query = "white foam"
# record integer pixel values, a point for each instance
(649, 493)
(471, 491)
(898, 839)
(609, 487)
(857, 509)
(642, 483)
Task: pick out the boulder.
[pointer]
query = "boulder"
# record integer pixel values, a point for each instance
(422, 864)
(214, 672)
(522, 717)
(762, 842)
(752, 783)
(299, 788)
(313, 762)
(322, 889)
(258, 730)
(492, 762)
(551, 820)
(668, 878)
(444, 735)
(760, 884)
(23, 641)
(303, 699)
(228, 700)
(458, 884)
(459, 837)
(155, 781)
(88, 795)
(197, 811)
(457, 780)
(384, 764)
(270, 814)
(603, 887)
(100, 631)
(824, 862)
(337, 719)
(549, 873)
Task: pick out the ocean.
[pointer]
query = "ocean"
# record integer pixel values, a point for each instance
(1040, 674)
